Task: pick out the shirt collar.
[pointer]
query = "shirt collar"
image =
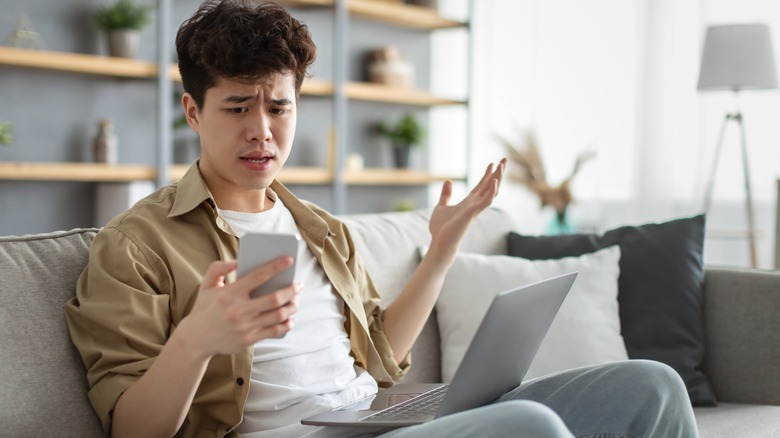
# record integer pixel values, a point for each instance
(307, 220)
(191, 192)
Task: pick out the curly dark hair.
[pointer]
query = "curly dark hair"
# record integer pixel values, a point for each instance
(241, 39)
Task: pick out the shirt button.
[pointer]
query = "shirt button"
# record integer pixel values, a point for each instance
(240, 381)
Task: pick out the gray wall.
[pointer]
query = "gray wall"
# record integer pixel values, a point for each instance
(55, 114)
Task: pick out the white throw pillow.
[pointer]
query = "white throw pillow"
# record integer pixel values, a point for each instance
(586, 330)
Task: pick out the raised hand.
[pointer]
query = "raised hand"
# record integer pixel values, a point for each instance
(449, 223)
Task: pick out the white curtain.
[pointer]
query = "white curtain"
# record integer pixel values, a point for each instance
(620, 76)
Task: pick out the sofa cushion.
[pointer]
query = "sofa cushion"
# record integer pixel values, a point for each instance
(742, 357)
(660, 290)
(586, 330)
(730, 420)
(44, 387)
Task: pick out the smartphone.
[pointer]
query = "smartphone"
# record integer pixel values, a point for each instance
(255, 249)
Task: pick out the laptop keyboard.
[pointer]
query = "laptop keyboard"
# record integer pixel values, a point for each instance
(420, 408)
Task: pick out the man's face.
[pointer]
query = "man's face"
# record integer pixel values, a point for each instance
(246, 132)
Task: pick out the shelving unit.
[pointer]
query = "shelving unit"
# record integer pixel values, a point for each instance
(346, 90)
(333, 174)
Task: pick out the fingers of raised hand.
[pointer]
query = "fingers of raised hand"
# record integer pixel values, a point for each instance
(485, 184)
(446, 193)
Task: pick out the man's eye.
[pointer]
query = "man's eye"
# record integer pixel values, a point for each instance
(240, 110)
(278, 111)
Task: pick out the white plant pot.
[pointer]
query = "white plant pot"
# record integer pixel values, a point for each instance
(124, 42)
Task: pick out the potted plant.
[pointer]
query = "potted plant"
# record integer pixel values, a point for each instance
(404, 135)
(5, 133)
(122, 22)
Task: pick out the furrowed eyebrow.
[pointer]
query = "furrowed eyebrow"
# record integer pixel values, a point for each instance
(238, 99)
(281, 102)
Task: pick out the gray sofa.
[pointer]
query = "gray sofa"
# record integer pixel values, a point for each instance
(43, 390)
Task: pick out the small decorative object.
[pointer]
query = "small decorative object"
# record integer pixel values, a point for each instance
(5, 133)
(122, 22)
(25, 36)
(385, 66)
(404, 135)
(404, 205)
(354, 163)
(529, 170)
(104, 147)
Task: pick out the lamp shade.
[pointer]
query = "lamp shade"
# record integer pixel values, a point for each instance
(738, 57)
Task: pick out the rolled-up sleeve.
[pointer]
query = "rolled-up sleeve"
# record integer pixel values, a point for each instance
(119, 320)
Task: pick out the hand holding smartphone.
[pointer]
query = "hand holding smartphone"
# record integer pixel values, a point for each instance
(255, 249)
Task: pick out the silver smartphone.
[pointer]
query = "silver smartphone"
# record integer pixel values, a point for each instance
(255, 249)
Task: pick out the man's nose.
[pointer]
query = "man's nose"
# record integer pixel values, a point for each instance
(259, 127)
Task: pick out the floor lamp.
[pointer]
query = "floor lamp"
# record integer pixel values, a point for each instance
(737, 57)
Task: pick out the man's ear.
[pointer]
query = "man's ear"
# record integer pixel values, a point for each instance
(191, 111)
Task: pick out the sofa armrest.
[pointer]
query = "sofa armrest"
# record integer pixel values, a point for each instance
(742, 334)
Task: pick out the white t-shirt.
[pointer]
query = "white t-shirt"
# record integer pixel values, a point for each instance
(310, 369)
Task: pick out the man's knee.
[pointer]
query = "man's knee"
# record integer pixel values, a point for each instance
(530, 418)
(653, 373)
(658, 381)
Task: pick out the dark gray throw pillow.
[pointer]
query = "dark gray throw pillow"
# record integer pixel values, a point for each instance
(659, 290)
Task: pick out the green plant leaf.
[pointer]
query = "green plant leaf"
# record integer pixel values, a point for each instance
(407, 131)
(5, 133)
(124, 14)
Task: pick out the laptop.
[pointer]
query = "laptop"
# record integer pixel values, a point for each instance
(496, 361)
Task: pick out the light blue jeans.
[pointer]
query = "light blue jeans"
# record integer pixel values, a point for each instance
(635, 398)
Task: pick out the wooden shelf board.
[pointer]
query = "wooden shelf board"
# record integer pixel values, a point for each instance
(401, 14)
(77, 63)
(316, 87)
(89, 172)
(306, 3)
(395, 13)
(382, 93)
(395, 177)
(99, 172)
(288, 175)
(120, 67)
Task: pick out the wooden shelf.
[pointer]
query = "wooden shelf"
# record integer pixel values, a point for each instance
(288, 175)
(305, 3)
(99, 172)
(128, 68)
(382, 93)
(77, 63)
(395, 177)
(401, 14)
(87, 172)
(395, 13)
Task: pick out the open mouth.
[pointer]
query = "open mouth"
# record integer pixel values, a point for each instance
(256, 160)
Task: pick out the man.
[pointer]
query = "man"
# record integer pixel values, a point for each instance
(174, 345)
